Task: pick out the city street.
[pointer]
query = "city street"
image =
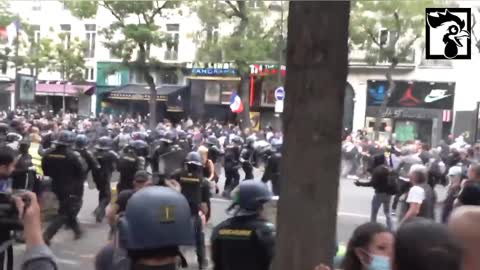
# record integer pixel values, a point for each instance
(354, 209)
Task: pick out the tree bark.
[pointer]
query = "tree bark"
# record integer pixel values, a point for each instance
(317, 64)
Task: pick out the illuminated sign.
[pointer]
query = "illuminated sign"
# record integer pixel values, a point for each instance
(262, 70)
(213, 71)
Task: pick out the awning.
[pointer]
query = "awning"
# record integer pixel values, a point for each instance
(142, 92)
(59, 89)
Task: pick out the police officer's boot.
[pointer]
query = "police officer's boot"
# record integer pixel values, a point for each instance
(100, 211)
(57, 223)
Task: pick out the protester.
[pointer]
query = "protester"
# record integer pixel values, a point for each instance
(420, 200)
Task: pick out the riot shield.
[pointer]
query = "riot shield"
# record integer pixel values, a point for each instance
(171, 162)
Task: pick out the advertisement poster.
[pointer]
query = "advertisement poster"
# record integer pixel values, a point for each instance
(255, 120)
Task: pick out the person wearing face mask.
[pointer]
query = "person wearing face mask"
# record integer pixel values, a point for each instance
(369, 248)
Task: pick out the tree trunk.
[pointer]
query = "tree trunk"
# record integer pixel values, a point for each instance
(152, 103)
(317, 64)
(244, 93)
(388, 94)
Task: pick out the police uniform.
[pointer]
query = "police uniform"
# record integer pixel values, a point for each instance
(231, 165)
(245, 241)
(246, 157)
(272, 172)
(67, 170)
(107, 159)
(128, 164)
(197, 192)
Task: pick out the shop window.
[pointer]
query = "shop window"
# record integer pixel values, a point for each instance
(212, 92)
(219, 91)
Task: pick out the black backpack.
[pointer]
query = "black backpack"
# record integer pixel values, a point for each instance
(392, 183)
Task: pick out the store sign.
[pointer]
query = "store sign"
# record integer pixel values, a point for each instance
(212, 69)
(262, 70)
(412, 94)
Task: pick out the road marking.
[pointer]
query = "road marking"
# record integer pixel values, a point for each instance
(65, 261)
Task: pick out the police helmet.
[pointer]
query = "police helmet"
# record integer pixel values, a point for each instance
(166, 224)
(81, 141)
(14, 137)
(194, 158)
(251, 195)
(140, 147)
(251, 140)
(104, 143)
(169, 137)
(212, 140)
(237, 140)
(66, 137)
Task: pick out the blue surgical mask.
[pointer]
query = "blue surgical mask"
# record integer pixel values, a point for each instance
(379, 263)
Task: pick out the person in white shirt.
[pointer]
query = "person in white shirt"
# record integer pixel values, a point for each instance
(420, 200)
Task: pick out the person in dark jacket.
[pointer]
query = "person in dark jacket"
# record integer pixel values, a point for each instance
(383, 186)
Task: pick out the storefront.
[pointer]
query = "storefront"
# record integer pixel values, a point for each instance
(133, 99)
(211, 87)
(416, 110)
(50, 95)
(264, 80)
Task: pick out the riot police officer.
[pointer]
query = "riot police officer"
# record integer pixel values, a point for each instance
(130, 161)
(197, 191)
(107, 159)
(81, 143)
(272, 170)
(248, 231)
(246, 158)
(183, 141)
(167, 142)
(150, 237)
(67, 170)
(232, 164)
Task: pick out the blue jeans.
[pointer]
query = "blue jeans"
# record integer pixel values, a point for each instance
(377, 201)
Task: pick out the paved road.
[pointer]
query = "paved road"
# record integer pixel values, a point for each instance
(353, 210)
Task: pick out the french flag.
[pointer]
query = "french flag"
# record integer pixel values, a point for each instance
(236, 104)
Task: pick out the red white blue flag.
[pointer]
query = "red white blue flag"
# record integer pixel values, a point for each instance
(236, 104)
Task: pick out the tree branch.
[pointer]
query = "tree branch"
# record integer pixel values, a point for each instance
(234, 8)
(117, 16)
(372, 37)
(157, 11)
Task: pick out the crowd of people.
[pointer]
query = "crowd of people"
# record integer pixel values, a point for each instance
(430, 233)
(168, 175)
(186, 157)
